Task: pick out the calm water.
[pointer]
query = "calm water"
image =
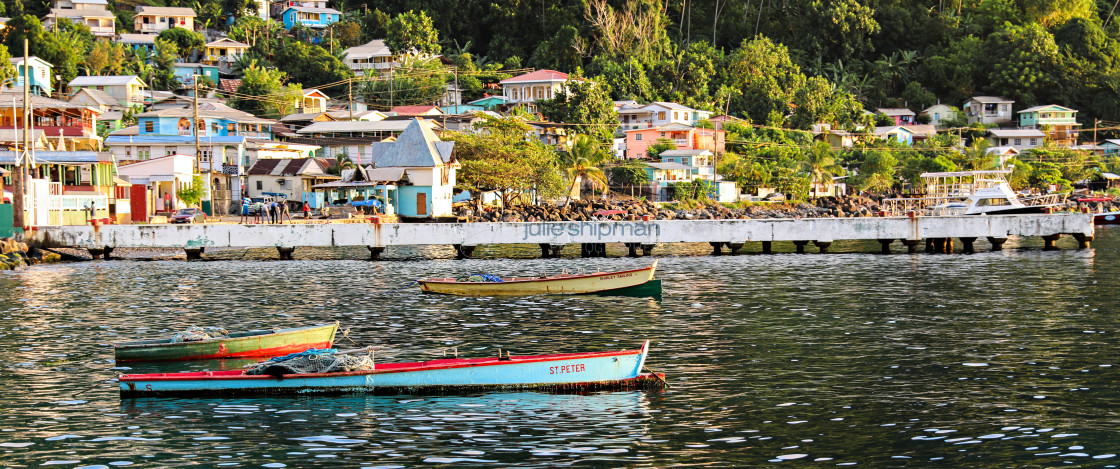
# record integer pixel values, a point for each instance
(989, 360)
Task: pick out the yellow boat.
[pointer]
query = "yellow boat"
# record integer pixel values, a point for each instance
(637, 282)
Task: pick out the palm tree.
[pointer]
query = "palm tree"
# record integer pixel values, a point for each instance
(976, 155)
(583, 163)
(341, 161)
(820, 164)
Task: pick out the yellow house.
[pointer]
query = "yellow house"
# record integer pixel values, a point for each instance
(225, 50)
(313, 101)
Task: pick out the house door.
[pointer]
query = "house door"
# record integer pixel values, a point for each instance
(138, 197)
(421, 204)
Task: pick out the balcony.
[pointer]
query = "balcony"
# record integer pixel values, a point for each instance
(680, 142)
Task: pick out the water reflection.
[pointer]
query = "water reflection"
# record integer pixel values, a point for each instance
(998, 359)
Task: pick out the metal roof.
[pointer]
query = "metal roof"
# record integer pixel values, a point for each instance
(164, 11)
(61, 157)
(667, 166)
(1044, 106)
(1016, 133)
(537, 76)
(892, 111)
(685, 152)
(415, 147)
(355, 126)
(991, 99)
(106, 80)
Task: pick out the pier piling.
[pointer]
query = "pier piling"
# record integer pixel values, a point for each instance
(632, 249)
(285, 253)
(647, 249)
(823, 246)
(375, 252)
(1082, 240)
(997, 243)
(1050, 240)
(717, 248)
(800, 246)
(886, 245)
(95, 253)
(966, 244)
(552, 251)
(911, 245)
(735, 247)
(194, 254)
(767, 247)
(463, 251)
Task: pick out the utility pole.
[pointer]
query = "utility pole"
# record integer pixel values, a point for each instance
(197, 145)
(19, 176)
(1095, 121)
(350, 96)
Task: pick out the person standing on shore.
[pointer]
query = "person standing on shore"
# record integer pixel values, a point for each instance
(245, 203)
(265, 212)
(306, 211)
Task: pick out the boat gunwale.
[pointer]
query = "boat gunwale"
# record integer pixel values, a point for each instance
(536, 279)
(145, 344)
(234, 375)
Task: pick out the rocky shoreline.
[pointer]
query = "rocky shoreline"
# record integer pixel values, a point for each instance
(631, 209)
(14, 254)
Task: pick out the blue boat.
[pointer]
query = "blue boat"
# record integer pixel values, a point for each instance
(569, 372)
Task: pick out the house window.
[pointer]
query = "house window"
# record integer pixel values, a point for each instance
(100, 88)
(638, 137)
(661, 115)
(149, 126)
(260, 185)
(1018, 142)
(163, 20)
(1034, 142)
(231, 128)
(144, 153)
(205, 155)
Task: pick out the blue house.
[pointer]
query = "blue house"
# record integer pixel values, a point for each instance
(311, 17)
(185, 72)
(40, 73)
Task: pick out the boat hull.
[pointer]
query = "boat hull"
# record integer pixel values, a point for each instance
(1110, 218)
(558, 285)
(565, 372)
(268, 344)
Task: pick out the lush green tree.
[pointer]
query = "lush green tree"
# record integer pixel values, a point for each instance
(819, 163)
(654, 151)
(582, 163)
(765, 76)
(256, 83)
(24, 27)
(1025, 62)
(312, 66)
(188, 43)
(422, 81)
(411, 32)
(632, 173)
(163, 66)
(563, 52)
(7, 70)
(917, 97)
(819, 101)
(500, 158)
(587, 105)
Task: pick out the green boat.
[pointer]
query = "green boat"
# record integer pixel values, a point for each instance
(247, 344)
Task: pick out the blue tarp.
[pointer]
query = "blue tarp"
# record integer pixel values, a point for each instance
(367, 203)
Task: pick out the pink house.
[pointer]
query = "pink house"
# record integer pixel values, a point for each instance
(683, 136)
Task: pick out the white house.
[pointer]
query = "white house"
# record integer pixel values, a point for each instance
(657, 114)
(528, 88)
(429, 168)
(40, 72)
(153, 20)
(988, 110)
(371, 57)
(313, 101)
(164, 177)
(91, 13)
(1021, 140)
(289, 177)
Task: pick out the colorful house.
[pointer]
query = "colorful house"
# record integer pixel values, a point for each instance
(185, 72)
(683, 137)
(67, 183)
(138, 41)
(664, 175)
(897, 133)
(224, 50)
(127, 90)
(1110, 146)
(1059, 123)
(429, 168)
(701, 162)
(40, 72)
(940, 112)
(312, 101)
(68, 126)
(372, 57)
(163, 177)
(901, 116)
(290, 177)
(317, 18)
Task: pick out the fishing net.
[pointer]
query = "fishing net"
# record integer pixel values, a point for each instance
(311, 361)
(479, 278)
(195, 333)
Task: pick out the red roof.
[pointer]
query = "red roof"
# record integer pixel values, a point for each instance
(413, 110)
(539, 75)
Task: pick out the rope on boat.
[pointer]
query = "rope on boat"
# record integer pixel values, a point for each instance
(655, 375)
(480, 278)
(399, 289)
(346, 334)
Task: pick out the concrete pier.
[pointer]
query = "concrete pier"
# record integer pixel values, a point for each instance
(592, 236)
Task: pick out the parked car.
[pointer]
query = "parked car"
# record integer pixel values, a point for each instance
(189, 215)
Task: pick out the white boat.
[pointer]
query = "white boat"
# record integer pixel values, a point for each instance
(971, 193)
